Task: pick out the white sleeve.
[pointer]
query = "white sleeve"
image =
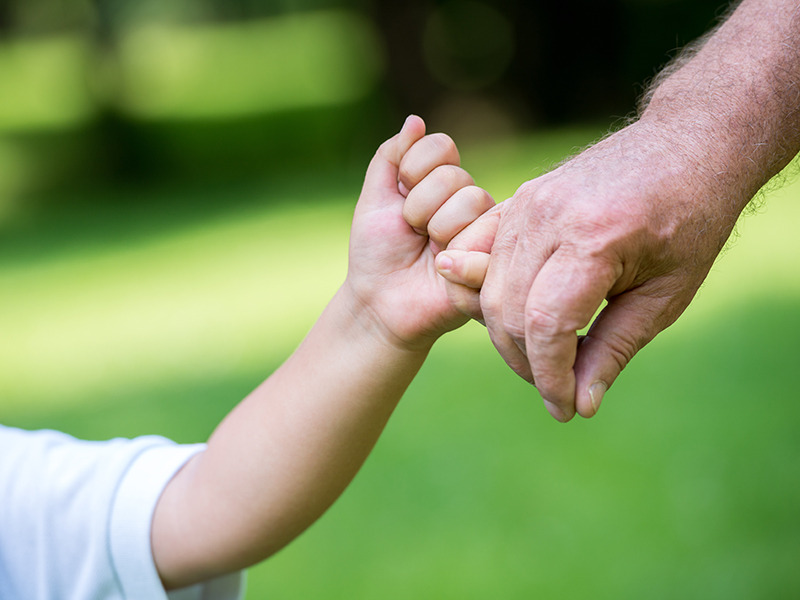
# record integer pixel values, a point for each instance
(75, 518)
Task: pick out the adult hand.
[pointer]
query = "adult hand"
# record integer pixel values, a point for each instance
(639, 218)
(632, 220)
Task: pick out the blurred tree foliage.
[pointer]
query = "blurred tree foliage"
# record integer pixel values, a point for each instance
(471, 67)
(570, 60)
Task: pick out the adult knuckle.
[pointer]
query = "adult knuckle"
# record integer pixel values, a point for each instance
(542, 323)
(514, 326)
(527, 190)
(596, 257)
(593, 244)
(620, 349)
(591, 233)
(466, 302)
(491, 300)
(546, 203)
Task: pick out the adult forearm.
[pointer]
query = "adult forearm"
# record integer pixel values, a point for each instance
(282, 457)
(733, 100)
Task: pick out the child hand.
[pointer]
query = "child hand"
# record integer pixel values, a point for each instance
(465, 262)
(391, 271)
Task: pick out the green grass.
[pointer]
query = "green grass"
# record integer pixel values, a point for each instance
(159, 317)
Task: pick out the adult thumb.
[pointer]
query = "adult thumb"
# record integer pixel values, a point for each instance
(627, 323)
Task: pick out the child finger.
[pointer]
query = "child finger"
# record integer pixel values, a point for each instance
(461, 209)
(466, 300)
(432, 192)
(462, 267)
(425, 155)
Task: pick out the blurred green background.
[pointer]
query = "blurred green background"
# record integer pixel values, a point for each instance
(176, 184)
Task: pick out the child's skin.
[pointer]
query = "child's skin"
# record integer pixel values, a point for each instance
(465, 270)
(283, 455)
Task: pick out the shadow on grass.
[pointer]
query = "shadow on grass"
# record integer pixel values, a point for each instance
(686, 485)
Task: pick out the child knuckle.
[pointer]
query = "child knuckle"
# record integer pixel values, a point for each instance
(437, 233)
(447, 176)
(444, 143)
(413, 215)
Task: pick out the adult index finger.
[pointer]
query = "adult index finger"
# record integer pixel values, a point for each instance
(564, 297)
(629, 322)
(494, 290)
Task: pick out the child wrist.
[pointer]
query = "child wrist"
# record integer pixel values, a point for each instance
(362, 317)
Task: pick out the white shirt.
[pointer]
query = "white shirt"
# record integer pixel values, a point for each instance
(75, 518)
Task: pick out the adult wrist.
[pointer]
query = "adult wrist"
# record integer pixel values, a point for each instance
(705, 158)
(735, 98)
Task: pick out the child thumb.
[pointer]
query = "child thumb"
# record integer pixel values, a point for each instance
(383, 171)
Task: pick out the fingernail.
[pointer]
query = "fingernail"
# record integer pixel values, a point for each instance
(556, 412)
(445, 263)
(402, 189)
(596, 392)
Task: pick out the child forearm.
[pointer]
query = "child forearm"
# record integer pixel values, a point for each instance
(281, 458)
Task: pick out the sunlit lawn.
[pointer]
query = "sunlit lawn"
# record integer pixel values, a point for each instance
(158, 318)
